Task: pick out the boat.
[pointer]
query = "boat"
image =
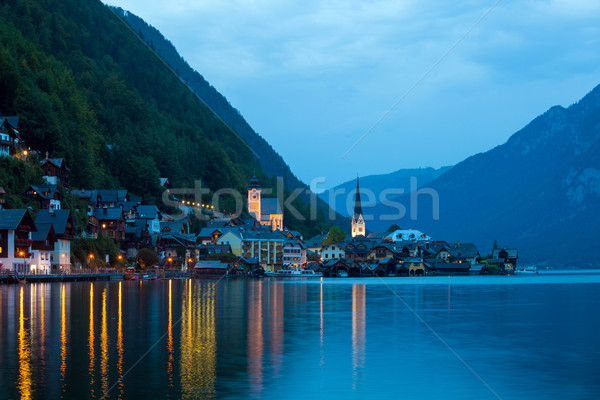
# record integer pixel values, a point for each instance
(532, 269)
(294, 273)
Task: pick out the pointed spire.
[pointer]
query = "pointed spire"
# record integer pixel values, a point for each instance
(357, 205)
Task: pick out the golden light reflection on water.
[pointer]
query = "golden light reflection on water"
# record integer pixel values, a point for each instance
(120, 341)
(91, 341)
(63, 338)
(198, 341)
(25, 381)
(276, 335)
(104, 346)
(255, 340)
(170, 337)
(358, 331)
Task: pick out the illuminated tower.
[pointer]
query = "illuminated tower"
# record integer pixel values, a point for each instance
(254, 190)
(358, 221)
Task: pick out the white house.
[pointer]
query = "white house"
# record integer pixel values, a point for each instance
(332, 251)
(16, 226)
(43, 245)
(294, 254)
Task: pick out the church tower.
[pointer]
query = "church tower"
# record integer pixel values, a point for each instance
(254, 190)
(358, 221)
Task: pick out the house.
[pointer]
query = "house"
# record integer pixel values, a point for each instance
(55, 171)
(210, 249)
(478, 269)
(414, 266)
(448, 268)
(165, 184)
(175, 226)
(506, 258)
(381, 250)
(210, 269)
(109, 222)
(44, 240)
(294, 254)
(463, 252)
(48, 196)
(64, 228)
(136, 237)
(16, 226)
(151, 215)
(266, 247)
(233, 239)
(333, 251)
(315, 244)
(387, 267)
(267, 212)
(110, 197)
(357, 269)
(358, 248)
(333, 267)
(170, 243)
(9, 136)
(129, 209)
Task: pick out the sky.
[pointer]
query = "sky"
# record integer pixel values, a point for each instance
(347, 87)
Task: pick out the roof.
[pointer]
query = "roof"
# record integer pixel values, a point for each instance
(42, 232)
(176, 226)
(44, 191)
(262, 235)
(163, 181)
(512, 253)
(90, 195)
(58, 162)
(58, 219)
(254, 184)
(357, 204)
(11, 219)
(148, 212)
(477, 267)
(316, 241)
(127, 205)
(463, 250)
(270, 206)
(13, 122)
(211, 264)
(331, 263)
(104, 214)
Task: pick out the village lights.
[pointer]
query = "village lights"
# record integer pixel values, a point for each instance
(170, 259)
(119, 257)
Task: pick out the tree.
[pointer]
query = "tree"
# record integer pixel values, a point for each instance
(393, 228)
(146, 258)
(335, 235)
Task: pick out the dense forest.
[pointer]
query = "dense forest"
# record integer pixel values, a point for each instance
(88, 90)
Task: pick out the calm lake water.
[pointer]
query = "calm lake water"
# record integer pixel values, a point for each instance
(519, 337)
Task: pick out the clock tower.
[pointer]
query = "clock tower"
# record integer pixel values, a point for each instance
(358, 221)
(254, 190)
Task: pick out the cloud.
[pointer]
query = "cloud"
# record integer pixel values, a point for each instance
(327, 70)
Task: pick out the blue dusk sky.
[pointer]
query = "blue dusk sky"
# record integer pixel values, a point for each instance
(313, 77)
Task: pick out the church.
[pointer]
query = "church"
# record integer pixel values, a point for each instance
(358, 220)
(268, 211)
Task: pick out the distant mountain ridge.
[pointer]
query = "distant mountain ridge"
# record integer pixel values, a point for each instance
(540, 191)
(376, 184)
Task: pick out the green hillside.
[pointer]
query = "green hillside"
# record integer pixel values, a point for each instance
(87, 89)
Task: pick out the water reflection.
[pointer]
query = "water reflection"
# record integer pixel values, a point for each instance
(255, 339)
(170, 336)
(63, 338)
(276, 336)
(198, 341)
(25, 382)
(120, 341)
(104, 346)
(91, 341)
(358, 331)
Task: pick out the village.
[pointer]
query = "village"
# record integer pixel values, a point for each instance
(38, 241)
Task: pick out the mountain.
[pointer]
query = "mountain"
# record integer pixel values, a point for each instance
(539, 191)
(270, 161)
(88, 90)
(400, 181)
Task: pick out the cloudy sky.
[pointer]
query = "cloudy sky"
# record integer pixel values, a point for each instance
(313, 77)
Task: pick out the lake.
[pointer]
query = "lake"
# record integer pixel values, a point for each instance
(481, 337)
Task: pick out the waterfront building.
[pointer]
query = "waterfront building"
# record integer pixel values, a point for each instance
(294, 254)
(232, 238)
(16, 226)
(333, 251)
(64, 227)
(266, 247)
(42, 247)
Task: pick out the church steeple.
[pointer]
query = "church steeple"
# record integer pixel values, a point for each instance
(358, 221)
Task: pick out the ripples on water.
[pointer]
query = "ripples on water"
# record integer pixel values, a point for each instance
(434, 337)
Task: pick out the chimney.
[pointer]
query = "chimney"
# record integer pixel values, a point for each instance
(46, 155)
(105, 210)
